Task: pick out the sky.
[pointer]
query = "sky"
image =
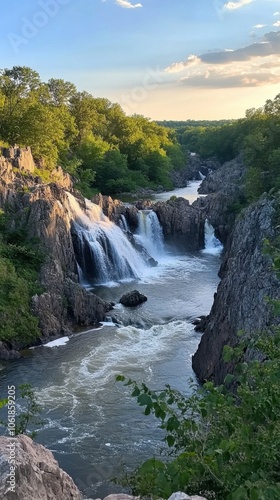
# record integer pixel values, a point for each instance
(165, 59)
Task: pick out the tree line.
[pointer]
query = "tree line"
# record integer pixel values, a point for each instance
(256, 137)
(91, 138)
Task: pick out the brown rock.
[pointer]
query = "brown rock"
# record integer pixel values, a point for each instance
(37, 473)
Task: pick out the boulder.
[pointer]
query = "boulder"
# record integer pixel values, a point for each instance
(133, 299)
(28, 470)
(182, 224)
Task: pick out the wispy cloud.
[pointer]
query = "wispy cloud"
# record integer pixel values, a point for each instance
(128, 5)
(277, 24)
(276, 14)
(237, 4)
(259, 26)
(252, 66)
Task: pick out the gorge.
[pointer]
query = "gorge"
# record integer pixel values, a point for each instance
(94, 252)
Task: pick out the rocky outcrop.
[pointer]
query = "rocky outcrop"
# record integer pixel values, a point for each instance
(241, 300)
(65, 304)
(20, 158)
(227, 178)
(44, 212)
(133, 299)
(113, 209)
(28, 470)
(195, 166)
(182, 224)
(226, 194)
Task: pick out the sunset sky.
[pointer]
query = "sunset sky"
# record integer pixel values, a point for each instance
(165, 59)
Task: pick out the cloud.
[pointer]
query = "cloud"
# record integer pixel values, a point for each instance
(255, 65)
(259, 26)
(276, 14)
(277, 24)
(128, 5)
(237, 4)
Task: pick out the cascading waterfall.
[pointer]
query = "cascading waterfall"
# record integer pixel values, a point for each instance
(102, 250)
(149, 232)
(212, 244)
(123, 223)
(202, 177)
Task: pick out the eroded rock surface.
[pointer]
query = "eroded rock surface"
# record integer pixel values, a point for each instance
(241, 300)
(37, 474)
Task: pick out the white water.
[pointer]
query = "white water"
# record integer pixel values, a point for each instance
(149, 233)
(123, 223)
(212, 245)
(103, 252)
(202, 177)
(92, 424)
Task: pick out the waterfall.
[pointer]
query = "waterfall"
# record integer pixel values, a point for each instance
(149, 232)
(202, 177)
(212, 244)
(123, 223)
(102, 250)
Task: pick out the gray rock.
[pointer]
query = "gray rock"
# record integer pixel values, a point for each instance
(182, 224)
(121, 496)
(183, 496)
(240, 302)
(37, 474)
(133, 299)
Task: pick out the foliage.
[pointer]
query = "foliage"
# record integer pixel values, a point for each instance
(29, 416)
(20, 261)
(224, 440)
(90, 137)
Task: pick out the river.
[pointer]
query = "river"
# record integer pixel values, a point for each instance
(91, 423)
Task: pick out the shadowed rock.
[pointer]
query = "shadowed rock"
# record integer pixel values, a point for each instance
(133, 299)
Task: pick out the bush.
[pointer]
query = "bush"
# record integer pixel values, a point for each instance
(224, 440)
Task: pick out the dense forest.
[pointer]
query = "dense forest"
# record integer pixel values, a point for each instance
(257, 137)
(105, 150)
(91, 138)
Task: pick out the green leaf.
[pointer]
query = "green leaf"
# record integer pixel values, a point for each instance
(145, 400)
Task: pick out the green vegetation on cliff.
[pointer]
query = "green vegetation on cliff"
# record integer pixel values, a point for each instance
(91, 138)
(19, 267)
(257, 137)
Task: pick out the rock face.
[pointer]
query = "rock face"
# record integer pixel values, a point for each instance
(182, 224)
(240, 302)
(65, 303)
(133, 299)
(225, 190)
(44, 211)
(193, 169)
(36, 474)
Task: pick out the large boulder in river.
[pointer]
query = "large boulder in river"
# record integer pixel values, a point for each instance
(182, 224)
(28, 470)
(133, 299)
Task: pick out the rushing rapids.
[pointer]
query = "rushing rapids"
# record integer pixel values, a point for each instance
(91, 423)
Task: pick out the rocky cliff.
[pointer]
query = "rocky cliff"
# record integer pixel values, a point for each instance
(182, 224)
(225, 194)
(193, 170)
(241, 299)
(43, 211)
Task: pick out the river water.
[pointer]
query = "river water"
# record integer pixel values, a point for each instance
(92, 425)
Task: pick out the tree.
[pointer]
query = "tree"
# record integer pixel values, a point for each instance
(61, 91)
